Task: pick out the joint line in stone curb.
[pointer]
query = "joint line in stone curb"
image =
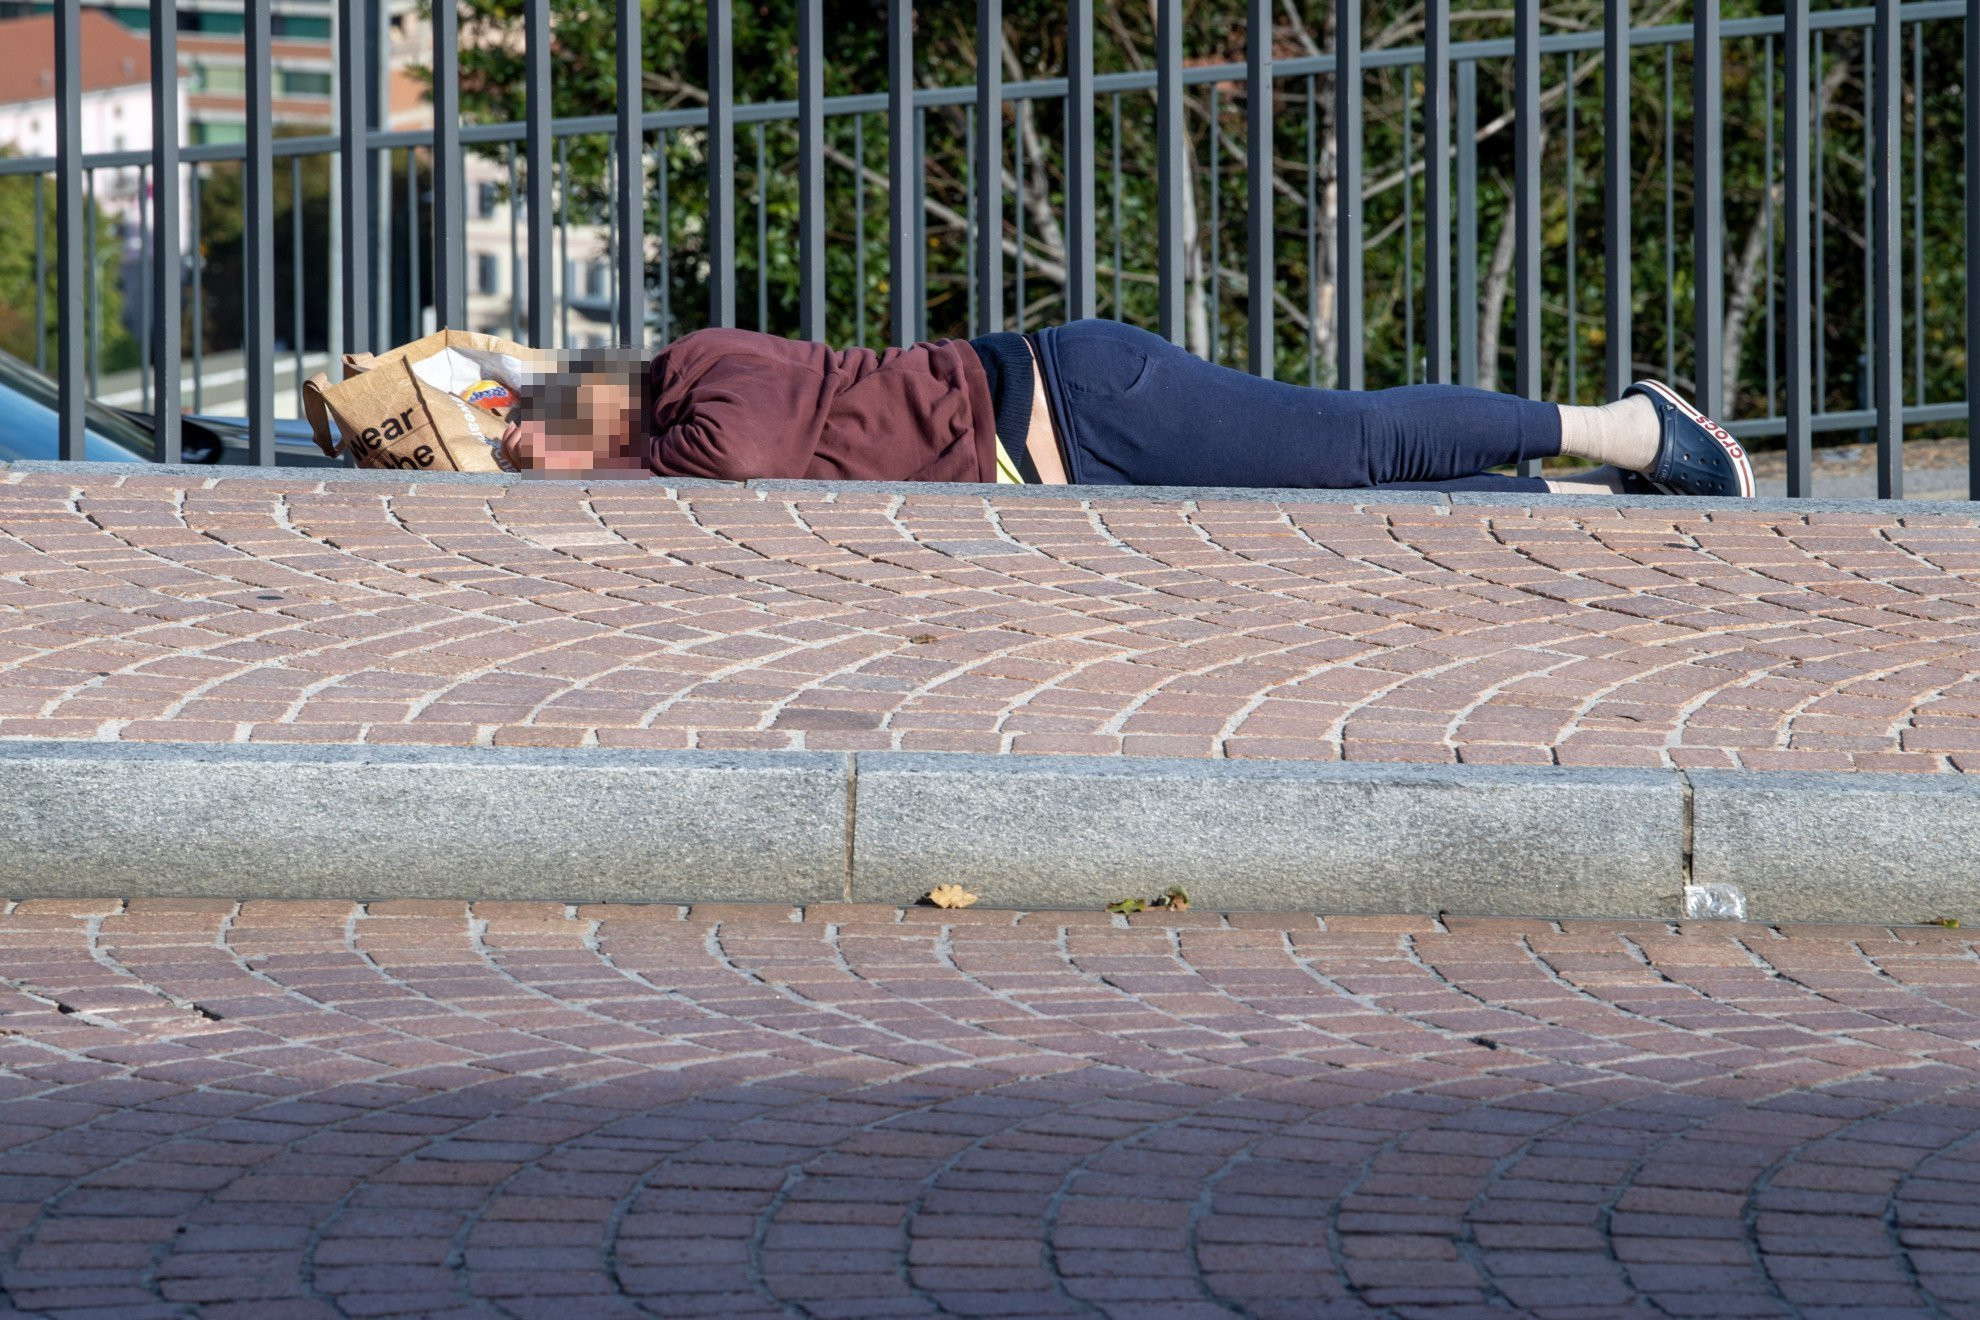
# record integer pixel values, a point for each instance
(1690, 799)
(852, 819)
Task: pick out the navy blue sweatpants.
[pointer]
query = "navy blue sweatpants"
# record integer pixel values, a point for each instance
(1135, 410)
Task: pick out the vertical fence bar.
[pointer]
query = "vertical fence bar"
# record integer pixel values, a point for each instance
(1767, 221)
(1670, 214)
(296, 273)
(1260, 268)
(165, 245)
(1349, 374)
(612, 222)
(354, 175)
(92, 282)
(1170, 169)
(449, 171)
(414, 299)
(564, 241)
(1467, 223)
(762, 200)
(1568, 186)
(1918, 211)
(1216, 225)
(1017, 172)
(1114, 144)
(515, 242)
(1437, 190)
(1313, 231)
(147, 264)
(919, 210)
(1708, 206)
(258, 239)
(859, 228)
(1526, 209)
(1819, 94)
(988, 166)
(41, 272)
(537, 112)
(70, 217)
(1617, 281)
(380, 90)
(665, 237)
(1887, 236)
(969, 216)
(631, 198)
(900, 162)
(721, 164)
(1080, 239)
(198, 292)
(1798, 203)
(811, 170)
(328, 255)
(1408, 229)
(1972, 44)
(1866, 357)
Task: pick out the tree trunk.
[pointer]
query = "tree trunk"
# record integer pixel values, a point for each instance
(1739, 303)
(1326, 203)
(1744, 293)
(1196, 299)
(1492, 305)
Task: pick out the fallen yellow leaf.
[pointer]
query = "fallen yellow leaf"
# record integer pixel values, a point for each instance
(950, 896)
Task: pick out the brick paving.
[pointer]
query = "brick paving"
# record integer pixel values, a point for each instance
(417, 1108)
(634, 615)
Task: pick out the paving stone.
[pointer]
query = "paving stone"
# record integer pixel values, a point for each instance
(871, 1111)
(1311, 625)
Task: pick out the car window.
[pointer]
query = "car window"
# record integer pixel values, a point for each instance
(28, 428)
(28, 432)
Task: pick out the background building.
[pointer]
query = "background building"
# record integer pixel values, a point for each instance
(116, 100)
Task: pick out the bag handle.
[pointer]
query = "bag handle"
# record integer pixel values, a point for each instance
(316, 409)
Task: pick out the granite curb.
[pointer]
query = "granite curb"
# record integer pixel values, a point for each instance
(306, 476)
(90, 820)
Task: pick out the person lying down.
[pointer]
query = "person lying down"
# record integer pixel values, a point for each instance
(1091, 403)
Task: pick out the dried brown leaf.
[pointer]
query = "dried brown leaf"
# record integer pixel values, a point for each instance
(950, 896)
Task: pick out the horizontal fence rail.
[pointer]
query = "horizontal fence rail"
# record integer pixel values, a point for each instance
(1003, 202)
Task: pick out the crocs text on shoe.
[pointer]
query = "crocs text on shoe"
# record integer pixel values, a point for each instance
(1695, 455)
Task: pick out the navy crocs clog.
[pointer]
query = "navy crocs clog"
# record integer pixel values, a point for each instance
(1695, 455)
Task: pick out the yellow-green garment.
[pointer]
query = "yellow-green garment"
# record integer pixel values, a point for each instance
(1007, 473)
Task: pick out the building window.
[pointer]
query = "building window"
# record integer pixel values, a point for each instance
(295, 82)
(222, 79)
(601, 275)
(299, 25)
(486, 197)
(488, 272)
(221, 133)
(207, 20)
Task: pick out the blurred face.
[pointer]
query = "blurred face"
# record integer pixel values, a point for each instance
(578, 423)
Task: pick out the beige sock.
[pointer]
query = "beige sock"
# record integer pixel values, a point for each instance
(1623, 432)
(1605, 480)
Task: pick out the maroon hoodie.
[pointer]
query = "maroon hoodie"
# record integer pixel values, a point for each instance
(735, 404)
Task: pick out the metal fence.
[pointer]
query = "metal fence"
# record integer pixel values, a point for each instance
(377, 270)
